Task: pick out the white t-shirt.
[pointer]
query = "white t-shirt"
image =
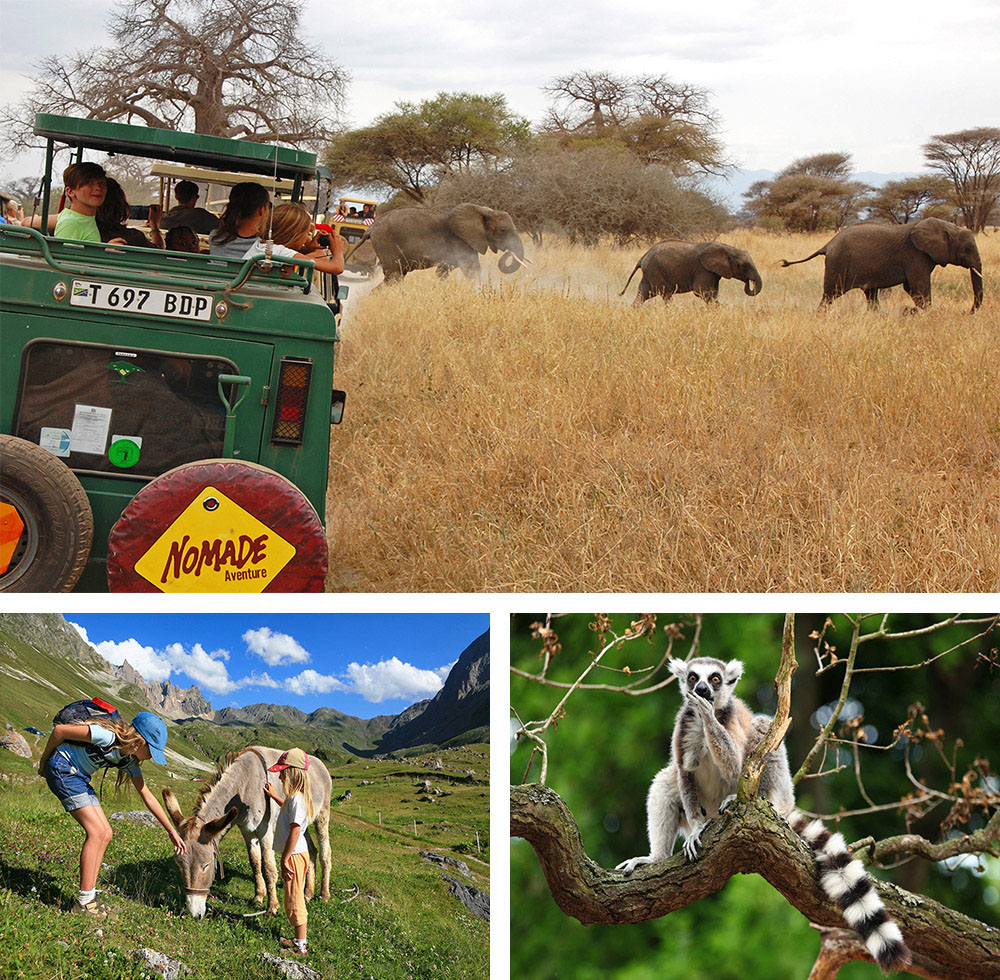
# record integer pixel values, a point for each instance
(294, 811)
(277, 251)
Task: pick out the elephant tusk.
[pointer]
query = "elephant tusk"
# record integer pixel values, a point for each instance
(526, 261)
(515, 258)
(978, 272)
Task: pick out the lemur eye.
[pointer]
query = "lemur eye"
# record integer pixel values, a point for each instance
(692, 678)
(716, 680)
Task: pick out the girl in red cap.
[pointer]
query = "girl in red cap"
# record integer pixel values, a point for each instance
(290, 839)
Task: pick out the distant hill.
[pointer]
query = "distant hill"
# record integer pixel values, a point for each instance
(45, 663)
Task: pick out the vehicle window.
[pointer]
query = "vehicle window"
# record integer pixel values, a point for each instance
(133, 413)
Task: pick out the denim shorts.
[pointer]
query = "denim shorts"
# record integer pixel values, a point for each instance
(71, 786)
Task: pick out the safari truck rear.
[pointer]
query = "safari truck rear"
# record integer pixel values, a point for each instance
(165, 416)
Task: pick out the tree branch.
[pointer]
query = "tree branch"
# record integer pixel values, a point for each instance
(747, 839)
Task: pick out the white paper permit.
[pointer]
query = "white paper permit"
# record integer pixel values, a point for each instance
(90, 429)
(56, 441)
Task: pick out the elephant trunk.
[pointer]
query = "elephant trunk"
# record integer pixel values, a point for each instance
(513, 258)
(977, 287)
(753, 285)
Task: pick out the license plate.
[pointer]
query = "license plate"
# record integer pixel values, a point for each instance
(136, 299)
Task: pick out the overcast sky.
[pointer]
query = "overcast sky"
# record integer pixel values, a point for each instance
(363, 665)
(875, 78)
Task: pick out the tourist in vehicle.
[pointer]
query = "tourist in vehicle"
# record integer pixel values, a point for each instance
(85, 189)
(240, 223)
(182, 239)
(13, 213)
(368, 214)
(112, 215)
(186, 213)
(295, 237)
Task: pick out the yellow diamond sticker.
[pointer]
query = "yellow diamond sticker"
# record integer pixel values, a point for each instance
(215, 545)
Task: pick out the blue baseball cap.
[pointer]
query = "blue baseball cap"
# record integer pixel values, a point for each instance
(152, 729)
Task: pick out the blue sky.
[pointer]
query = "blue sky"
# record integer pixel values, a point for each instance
(360, 664)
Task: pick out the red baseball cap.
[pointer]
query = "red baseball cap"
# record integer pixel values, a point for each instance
(295, 758)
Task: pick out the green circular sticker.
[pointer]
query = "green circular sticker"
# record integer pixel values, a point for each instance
(123, 453)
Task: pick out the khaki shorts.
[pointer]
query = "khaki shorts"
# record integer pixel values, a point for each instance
(295, 887)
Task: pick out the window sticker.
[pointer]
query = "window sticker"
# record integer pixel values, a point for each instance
(90, 429)
(56, 441)
(124, 451)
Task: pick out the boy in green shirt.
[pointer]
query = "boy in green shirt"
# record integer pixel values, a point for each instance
(85, 188)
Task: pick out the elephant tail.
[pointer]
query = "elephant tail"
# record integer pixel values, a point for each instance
(634, 271)
(785, 263)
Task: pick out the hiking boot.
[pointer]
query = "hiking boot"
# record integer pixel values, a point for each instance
(96, 909)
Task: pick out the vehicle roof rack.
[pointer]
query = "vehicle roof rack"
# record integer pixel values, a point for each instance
(169, 144)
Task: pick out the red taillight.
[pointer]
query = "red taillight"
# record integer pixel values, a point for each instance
(294, 375)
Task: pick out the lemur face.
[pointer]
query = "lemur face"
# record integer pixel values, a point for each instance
(708, 678)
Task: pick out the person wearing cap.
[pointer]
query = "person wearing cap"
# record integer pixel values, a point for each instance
(295, 816)
(72, 755)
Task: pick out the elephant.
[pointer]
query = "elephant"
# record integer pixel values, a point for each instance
(870, 256)
(684, 267)
(406, 239)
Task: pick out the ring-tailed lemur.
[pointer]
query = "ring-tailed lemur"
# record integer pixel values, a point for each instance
(713, 733)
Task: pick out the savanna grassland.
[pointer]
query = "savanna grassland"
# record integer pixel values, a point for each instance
(539, 433)
(389, 916)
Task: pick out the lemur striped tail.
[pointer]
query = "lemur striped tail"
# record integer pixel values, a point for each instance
(845, 880)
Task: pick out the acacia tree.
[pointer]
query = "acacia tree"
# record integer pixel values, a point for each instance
(235, 68)
(970, 160)
(906, 200)
(749, 837)
(412, 148)
(810, 194)
(655, 118)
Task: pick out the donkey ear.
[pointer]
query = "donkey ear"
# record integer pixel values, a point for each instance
(677, 667)
(172, 808)
(733, 671)
(219, 824)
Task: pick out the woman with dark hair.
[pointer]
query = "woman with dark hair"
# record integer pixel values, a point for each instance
(241, 222)
(113, 214)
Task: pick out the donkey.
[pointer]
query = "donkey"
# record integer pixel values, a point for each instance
(236, 795)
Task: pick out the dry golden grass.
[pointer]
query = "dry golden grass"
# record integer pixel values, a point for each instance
(540, 434)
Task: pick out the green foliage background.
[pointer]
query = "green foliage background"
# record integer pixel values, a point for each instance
(607, 748)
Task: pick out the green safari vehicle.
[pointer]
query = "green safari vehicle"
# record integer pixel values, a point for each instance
(164, 416)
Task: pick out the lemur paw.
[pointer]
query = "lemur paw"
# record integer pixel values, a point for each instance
(691, 845)
(702, 706)
(627, 867)
(729, 799)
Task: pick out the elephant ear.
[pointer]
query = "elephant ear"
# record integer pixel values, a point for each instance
(468, 222)
(932, 238)
(716, 258)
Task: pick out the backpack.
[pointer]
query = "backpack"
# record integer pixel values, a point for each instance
(84, 711)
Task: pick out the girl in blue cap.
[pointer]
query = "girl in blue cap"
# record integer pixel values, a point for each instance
(72, 755)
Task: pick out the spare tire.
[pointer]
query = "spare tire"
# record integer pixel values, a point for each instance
(218, 525)
(46, 520)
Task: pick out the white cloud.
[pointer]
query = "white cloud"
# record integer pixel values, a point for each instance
(151, 664)
(253, 679)
(275, 648)
(311, 682)
(207, 670)
(392, 678)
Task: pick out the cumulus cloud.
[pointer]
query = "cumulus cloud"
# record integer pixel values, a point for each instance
(392, 678)
(275, 648)
(383, 681)
(312, 682)
(152, 664)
